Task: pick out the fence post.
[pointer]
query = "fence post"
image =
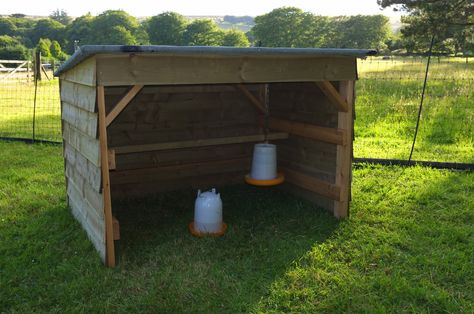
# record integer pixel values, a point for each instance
(37, 65)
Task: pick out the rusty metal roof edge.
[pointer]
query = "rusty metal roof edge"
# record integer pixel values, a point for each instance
(87, 51)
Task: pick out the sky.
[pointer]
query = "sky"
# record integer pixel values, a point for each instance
(141, 8)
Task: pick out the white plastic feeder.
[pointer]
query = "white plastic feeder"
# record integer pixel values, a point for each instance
(264, 162)
(264, 166)
(208, 214)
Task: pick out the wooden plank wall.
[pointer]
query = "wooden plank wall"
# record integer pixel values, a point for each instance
(162, 114)
(81, 151)
(304, 102)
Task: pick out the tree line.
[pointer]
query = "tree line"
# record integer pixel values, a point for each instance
(57, 35)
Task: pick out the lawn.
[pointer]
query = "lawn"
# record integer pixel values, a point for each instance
(407, 247)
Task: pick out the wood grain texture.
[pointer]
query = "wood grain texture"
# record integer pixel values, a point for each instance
(312, 184)
(314, 132)
(104, 163)
(84, 73)
(333, 95)
(88, 146)
(161, 69)
(79, 95)
(344, 152)
(118, 108)
(82, 120)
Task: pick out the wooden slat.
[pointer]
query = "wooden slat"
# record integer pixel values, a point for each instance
(314, 132)
(302, 180)
(260, 107)
(333, 95)
(198, 143)
(82, 120)
(344, 152)
(180, 171)
(109, 232)
(149, 69)
(83, 143)
(84, 73)
(79, 95)
(122, 104)
(112, 164)
(116, 228)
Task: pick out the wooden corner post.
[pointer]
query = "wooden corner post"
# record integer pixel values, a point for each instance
(344, 151)
(104, 163)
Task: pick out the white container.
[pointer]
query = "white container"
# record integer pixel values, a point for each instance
(264, 163)
(208, 212)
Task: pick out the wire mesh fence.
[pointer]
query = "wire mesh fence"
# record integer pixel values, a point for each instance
(388, 98)
(29, 109)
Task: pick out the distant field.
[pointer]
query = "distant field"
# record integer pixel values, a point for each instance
(388, 96)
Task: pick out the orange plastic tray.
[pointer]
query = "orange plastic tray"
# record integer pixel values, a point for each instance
(200, 234)
(278, 180)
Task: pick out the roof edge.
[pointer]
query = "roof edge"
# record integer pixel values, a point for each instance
(87, 51)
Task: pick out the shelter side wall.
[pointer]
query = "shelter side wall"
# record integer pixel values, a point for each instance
(173, 114)
(309, 163)
(149, 69)
(82, 158)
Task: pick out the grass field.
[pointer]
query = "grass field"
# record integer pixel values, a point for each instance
(388, 95)
(408, 247)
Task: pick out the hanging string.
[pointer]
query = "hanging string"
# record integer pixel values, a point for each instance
(267, 112)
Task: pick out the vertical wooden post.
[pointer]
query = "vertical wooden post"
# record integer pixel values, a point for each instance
(104, 163)
(344, 152)
(37, 71)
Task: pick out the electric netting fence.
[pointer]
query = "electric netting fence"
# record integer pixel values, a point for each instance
(389, 91)
(387, 103)
(29, 108)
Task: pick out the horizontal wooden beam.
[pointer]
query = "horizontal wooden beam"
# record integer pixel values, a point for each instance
(319, 133)
(111, 159)
(199, 143)
(333, 95)
(252, 98)
(122, 104)
(312, 184)
(180, 171)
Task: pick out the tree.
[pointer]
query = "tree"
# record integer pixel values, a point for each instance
(47, 28)
(8, 41)
(106, 24)
(203, 33)
(359, 31)
(166, 28)
(18, 52)
(235, 38)
(7, 27)
(452, 22)
(285, 27)
(43, 47)
(60, 16)
(80, 29)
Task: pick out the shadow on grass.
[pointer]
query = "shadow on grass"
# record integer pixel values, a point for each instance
(407, 248)
(268, 232)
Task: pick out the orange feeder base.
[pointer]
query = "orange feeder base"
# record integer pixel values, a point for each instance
(278, 180)
(200, 234)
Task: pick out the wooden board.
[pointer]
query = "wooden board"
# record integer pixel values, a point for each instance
(82, 120)
(148, 69)
(79, 95)
(76, 162)
(84, 73)
(88, 146)
(104, 164)
(344, 152)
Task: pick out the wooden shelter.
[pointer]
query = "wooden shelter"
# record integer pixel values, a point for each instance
(141, 119)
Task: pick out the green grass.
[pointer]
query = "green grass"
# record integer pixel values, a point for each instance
(17, 107)
(408, 247)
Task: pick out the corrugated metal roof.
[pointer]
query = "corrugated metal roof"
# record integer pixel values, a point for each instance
(87, 51)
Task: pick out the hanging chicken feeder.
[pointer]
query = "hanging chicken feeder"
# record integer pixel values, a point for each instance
(264, 166)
